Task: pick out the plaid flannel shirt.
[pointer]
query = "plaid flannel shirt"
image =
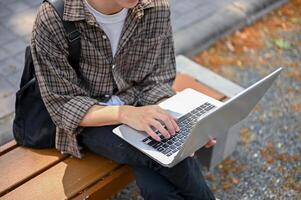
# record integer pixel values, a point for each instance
(141, 72)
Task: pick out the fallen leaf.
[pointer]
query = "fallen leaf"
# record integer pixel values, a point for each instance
(295, 75)
(282, 44)
(269, 153)
(227, 185)
(235, 180)
(284, 157)
(210, 177)
(296, 107)
(295, 20)
(230, 46)
(214, 188)
(245, 135)
(267, 55)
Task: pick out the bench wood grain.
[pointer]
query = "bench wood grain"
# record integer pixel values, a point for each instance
(21, 164)
(65, 179)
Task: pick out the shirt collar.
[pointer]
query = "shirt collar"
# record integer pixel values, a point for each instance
(75, 10)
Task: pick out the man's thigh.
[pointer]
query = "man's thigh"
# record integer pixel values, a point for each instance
(102, 141)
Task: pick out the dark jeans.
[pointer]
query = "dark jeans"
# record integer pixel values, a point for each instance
(183, 181)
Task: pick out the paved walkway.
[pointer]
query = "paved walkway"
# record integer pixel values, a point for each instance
(16, 19)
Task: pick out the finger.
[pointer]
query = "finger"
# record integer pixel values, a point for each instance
(175, 123)
(151, 133)
(167, 122)
(156, 124)
(210, 143)
(172, 119)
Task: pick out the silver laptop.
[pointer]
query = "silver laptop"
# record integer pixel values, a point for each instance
(199, 118)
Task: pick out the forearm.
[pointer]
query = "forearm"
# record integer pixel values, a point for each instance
(103, 115)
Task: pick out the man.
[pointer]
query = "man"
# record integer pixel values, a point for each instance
(127, 65)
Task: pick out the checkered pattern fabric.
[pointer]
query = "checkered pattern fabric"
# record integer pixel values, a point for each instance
(141, 72)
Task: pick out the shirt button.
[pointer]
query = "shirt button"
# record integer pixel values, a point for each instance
(113, 66)
(104, 37)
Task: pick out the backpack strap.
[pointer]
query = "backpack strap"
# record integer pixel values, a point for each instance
(73, 35)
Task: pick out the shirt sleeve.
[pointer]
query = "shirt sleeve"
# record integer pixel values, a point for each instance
(130, 96)
(65, 99)
(158, 84)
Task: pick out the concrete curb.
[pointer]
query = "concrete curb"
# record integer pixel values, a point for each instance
(207, 77)
(236, 15)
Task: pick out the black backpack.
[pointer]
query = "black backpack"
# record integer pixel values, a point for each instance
(32, 125)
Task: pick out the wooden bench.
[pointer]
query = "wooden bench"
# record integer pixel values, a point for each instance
(46, 174)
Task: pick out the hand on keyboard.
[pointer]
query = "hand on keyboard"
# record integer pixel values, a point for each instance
(149, 119)
(209, 144)
(173, 144)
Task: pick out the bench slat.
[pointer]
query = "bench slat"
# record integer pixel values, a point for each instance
(107, 187)
(8, 147)
(21, 164)
(64, 180)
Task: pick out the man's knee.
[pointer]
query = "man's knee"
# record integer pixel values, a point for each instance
(153, 186)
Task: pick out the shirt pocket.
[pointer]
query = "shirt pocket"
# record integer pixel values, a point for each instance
(142, 54)
(145, 48)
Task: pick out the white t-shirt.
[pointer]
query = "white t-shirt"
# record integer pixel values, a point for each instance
(112, 25)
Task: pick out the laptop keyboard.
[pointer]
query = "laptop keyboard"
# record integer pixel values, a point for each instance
(186, 122)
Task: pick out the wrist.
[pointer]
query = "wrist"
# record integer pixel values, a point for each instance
(123, 113)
